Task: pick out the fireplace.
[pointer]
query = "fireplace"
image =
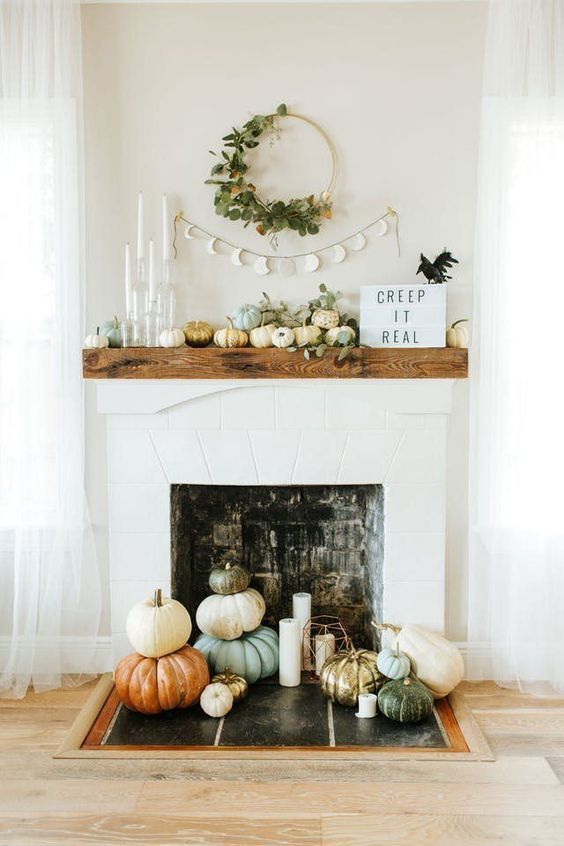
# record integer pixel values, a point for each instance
(327, 540)
(175, 444)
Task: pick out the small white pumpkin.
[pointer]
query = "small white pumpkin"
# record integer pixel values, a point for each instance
(393, 664)
(325, 318)
(261, 337)
(436, 661)
(97, 341)
(457, 335)
(216, 700)
(306, 336)
(172, 338)
(283, 337)
(158, 626)
(339, 335)
(228, 616)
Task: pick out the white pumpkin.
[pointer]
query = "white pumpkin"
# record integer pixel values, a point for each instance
(261, 337)
(325, 318)
(306, 336)
(340, 335)
(435, 660)
(158, 626)
(97, 341)
(457, 335)
(229, 616)
(283, 337)
(216, 700)
(172, 338)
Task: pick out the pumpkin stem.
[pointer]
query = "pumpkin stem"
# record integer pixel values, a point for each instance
(386, 626)
(158, 599)
(97, 330)
(230, 322)
(456, 322)
(228, 566)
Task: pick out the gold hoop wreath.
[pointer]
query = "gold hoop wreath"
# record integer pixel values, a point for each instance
(237, 198)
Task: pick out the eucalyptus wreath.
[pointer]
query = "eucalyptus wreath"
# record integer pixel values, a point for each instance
(237, 198)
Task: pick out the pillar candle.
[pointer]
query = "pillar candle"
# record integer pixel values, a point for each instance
(324, 648)
(301, 610)
(140, 226)
(128, 280)
(366, 705)
(290, 652)
(166, 240)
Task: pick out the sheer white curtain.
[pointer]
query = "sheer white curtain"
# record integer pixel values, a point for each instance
(49, 581)
(517, 453)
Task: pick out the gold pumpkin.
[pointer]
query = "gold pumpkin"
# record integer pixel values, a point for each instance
(236, 684)
(348, 673)
(198, 333)
(230, 337)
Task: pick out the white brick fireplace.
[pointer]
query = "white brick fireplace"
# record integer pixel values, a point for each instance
(274, 432)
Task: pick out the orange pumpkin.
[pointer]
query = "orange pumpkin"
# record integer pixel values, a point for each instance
(152, 685)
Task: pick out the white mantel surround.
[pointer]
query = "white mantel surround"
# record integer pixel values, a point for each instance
(278, 432)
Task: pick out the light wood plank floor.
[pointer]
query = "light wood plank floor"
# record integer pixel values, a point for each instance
(518, 800)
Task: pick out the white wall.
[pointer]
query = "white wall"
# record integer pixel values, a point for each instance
(397, 88)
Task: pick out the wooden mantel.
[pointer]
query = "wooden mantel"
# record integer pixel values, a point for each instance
(251, 363)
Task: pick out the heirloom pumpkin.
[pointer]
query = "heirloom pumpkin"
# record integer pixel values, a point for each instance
(112, 330)
(198, 333)
(253, 656)
(261, 337)
(236, 684)
(283, 337)
(348, 673)
(405, 700)
(152, 685)
(457, 335)
(325, 318)
(435, 661)
(230, 337)
(158, 626)
(340, 335)
(231, 578)
(393, 664)
(172, 338)
(246, 317)
(216, 700)
(97, 341)
(227, 617)
(307, 335)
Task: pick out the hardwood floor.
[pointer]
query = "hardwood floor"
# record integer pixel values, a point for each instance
(518, 800)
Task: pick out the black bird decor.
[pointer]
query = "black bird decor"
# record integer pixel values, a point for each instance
(436, 271)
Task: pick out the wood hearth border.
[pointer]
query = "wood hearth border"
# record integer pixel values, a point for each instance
(467, 743)
(251, 363)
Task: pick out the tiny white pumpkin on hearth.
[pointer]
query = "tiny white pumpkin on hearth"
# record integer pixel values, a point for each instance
(172, 338)
(158, 626)
(216, 700)
(97, 341)
(283, 337)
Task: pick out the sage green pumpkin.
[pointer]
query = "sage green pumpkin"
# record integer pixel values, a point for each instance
(246, 317)
(253, 656)
(112, 330)
(231, 578)
(393, 664)
(405, 701)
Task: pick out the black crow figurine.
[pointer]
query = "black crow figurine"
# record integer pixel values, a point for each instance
(436, 271)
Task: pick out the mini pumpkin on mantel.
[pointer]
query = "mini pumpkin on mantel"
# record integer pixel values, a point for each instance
(198, 333)
(172, 338)
(229, 337)
(231, 578)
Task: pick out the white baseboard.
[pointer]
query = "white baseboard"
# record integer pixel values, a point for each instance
(77, 655)
(478, 660)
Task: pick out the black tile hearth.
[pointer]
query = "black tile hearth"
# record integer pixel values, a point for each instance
(190, 727)
(352, 731)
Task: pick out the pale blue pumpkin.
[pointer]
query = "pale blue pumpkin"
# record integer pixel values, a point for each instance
(246, 317)
(393, 664)
(112, 330)
(254, 655)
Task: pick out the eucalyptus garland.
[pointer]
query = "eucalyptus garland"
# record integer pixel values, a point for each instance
(236, 197)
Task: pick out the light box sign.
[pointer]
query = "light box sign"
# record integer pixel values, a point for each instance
(403, 315)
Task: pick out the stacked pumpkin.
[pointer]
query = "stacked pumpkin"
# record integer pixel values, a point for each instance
(233, 639)
(163, 672)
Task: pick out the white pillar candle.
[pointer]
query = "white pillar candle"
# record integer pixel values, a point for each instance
(324, 649)
(166, 240)
(152, 283)
(290, 652)
(366, 705)
(301, 610)
(140, 227)
(128, 280)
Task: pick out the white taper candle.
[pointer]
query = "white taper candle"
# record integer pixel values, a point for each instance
(128, 279)
(166, 240)
(140, 227)
(290, 652)
(152, 278)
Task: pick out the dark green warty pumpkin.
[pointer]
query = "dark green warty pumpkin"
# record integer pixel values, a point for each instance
(405, 700)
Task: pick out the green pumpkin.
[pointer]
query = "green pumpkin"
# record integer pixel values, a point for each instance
(231, 578)
(393, 664)
(254, 655)
(112, 330)
(246, 317)
(405, 701)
